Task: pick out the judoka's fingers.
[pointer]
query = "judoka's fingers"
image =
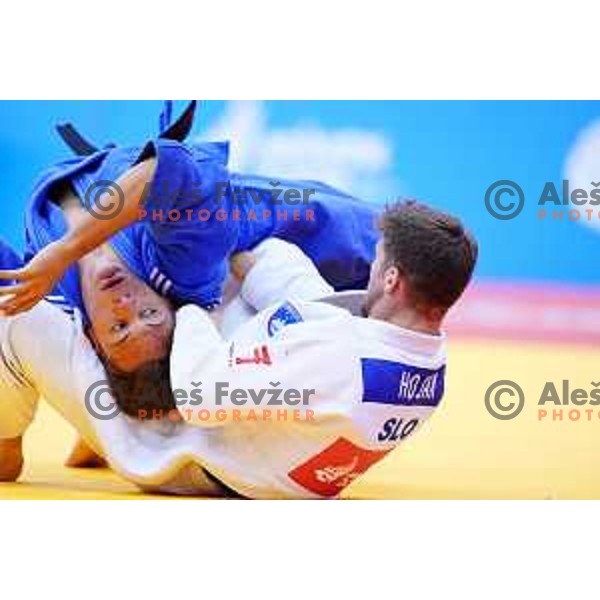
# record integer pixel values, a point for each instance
(17, 275)
(15, 290)
(16, 306)
(241, 263)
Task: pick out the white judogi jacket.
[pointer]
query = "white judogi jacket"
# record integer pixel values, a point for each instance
(374, 385)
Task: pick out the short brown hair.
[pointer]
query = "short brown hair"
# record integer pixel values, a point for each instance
(145, 393)
(432, 250)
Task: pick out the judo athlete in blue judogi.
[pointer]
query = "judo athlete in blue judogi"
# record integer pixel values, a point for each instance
(174, 249)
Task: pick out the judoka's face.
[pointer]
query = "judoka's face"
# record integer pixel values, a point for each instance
(130, 323)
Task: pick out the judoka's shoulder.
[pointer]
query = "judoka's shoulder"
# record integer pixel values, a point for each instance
(311, 310)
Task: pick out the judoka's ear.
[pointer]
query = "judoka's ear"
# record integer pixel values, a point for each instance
(392, 280)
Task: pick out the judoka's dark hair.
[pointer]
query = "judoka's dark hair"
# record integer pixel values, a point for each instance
(148, 389)
(432, 249)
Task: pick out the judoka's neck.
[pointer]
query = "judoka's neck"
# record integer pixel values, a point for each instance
(408, 319)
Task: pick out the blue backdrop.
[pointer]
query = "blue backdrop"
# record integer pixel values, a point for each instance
(445, 152)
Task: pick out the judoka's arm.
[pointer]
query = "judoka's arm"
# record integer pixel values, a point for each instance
(39, 277)
(92, 230)
(213, 379)
(276, 271)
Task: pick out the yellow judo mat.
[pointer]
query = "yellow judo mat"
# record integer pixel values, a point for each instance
(462, 452)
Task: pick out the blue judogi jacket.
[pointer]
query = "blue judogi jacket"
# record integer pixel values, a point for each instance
(9, 260)
(186, 259)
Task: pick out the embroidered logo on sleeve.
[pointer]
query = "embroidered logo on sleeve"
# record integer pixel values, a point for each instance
(330, 471)
(285, 315)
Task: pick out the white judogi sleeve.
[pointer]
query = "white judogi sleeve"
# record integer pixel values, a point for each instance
(282, 272)
(284, 372)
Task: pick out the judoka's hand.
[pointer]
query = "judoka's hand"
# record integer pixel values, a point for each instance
(241, 263)
(34, 281)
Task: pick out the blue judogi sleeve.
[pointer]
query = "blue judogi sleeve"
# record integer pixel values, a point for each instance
(336, 230)
(187, 231)
(182, 243)
(189, 212)
(190, 236)
(172, 247)
(9, 260)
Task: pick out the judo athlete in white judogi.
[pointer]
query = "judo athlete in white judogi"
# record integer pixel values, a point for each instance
(365, 382)
(313, 395)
